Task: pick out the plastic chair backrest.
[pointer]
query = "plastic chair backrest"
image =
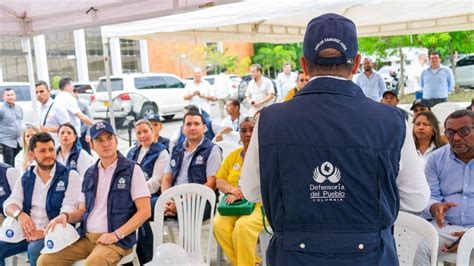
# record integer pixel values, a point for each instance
(409, 230)
(227, 147)
(465, 247)
(190, 200)
(442, 110)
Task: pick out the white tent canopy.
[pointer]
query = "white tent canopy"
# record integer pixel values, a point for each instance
(285, 21)
(33, 17)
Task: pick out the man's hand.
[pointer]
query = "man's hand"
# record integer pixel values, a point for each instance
(196, 93)
(452, 248)
(439, 210)
(170, 208)
(60, 219)
(27, 224)
(107, 239)
(237, 193)
(37, 234)
(226, 130)
(256, 104)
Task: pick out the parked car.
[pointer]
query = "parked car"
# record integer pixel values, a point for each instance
(23, 98)
(234, 78)
(140, 94)
(86, 90)
(242, 88)
(465, 71)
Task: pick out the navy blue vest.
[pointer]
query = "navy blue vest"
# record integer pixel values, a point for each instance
(73, 157)
(329, 159)
(148, 162)
(197, 168)
(120, 205)
(5, 190)
(164, 141)
(56, 192)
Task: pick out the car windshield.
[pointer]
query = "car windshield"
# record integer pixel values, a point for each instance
(22, 92)
(117, 85)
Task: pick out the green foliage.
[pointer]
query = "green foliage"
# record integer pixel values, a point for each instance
(55, 82)
(216, 60)
(447, 43)
(272, 57)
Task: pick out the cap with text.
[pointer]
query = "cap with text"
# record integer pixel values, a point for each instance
(100, 127)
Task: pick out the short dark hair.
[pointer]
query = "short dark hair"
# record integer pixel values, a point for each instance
(339, 70)
(234, 102)
(459, 114)
(192, 108)
(41, 82)
(434, 52)
(193, 113)
(69, 125)
(42, 137)
(64, 82)
(7, 89)
(257, 66)
(224, 69)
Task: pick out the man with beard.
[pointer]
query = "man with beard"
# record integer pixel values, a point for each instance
(371, 82)
(47, 190)
(450, 171)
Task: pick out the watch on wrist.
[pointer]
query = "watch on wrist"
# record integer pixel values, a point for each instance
(17, 213)
(119, 235)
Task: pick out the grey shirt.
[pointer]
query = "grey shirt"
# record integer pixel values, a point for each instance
(11, 118)
(83, 105)
(212, 165)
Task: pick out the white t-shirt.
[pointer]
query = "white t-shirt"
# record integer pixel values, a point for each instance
(222, 86)
(205, 89)
(56, 116)
(258, 91)
(67, 101)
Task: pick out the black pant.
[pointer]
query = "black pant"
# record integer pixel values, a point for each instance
(9, 154)
(435, 101)
(84, 144)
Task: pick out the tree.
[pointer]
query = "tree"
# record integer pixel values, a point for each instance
(216, 60)
(272, 57)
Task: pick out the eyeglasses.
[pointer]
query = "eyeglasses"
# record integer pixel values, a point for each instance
(304, 80)
(462, 132)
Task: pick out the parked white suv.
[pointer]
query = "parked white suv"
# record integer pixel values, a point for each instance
(140, 94)
(465, 71)
(23, 98)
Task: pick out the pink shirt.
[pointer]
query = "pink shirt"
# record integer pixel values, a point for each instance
(97, 220)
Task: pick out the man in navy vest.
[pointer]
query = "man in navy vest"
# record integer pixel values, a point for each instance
(44, 192)
(114, 202)
(326, 163)
(197, 160)
(8, 177)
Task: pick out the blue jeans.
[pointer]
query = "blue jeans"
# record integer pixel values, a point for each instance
(33, 248)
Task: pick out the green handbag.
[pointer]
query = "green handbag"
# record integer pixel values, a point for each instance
(237, 208)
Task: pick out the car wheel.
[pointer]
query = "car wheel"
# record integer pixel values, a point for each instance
(147, 109)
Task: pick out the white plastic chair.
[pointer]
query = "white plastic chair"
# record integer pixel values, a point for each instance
(190, 200)
(442, 110)
(227, 147)
(463, 256)
(409, 230)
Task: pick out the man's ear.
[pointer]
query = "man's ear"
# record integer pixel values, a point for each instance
(357, 64)
(303, 65)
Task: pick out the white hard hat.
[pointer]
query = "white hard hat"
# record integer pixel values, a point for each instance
(11, 231)
(60, 238)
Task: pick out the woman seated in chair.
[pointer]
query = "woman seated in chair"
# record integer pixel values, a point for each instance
(237, 235)
(426, 133)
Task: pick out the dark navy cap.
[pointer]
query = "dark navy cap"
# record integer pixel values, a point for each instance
(99, 127)
(420, 102)
(330, 31)
(153, 117)
(394, 93)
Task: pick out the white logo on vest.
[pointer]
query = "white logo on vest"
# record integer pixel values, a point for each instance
(199, 160)
(334, 192)
(121, 183)
(2, 191)
(60, 186)
(72, 164)
(173, 163)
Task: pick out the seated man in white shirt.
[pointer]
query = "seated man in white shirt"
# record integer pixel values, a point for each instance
(29, 203)
(230, 124)
(8, 177)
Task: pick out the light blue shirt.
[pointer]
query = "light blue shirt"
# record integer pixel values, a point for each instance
(285, 83)
(451, 180)
(11, 118)
(373, 86)
(436, 84)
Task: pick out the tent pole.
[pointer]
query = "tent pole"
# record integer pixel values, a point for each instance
(26, 47)
(105, 46)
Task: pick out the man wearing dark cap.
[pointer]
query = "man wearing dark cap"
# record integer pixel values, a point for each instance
(114, 202)
(329, 166)
(157, 126)
(390, 97)
(420, 105)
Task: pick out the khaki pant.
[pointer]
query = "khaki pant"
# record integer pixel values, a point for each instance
(222, 103)
(86, 248)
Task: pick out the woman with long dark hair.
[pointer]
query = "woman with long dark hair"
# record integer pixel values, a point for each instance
(426, 133)
(69, 154)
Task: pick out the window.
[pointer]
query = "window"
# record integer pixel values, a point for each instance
(95, 52)
(12, 59)
(117, 85)
(22, 92)
(467, 61)
(61, 54)
(158, 82)
(172, 82)
(130, 51)
(143, 83)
